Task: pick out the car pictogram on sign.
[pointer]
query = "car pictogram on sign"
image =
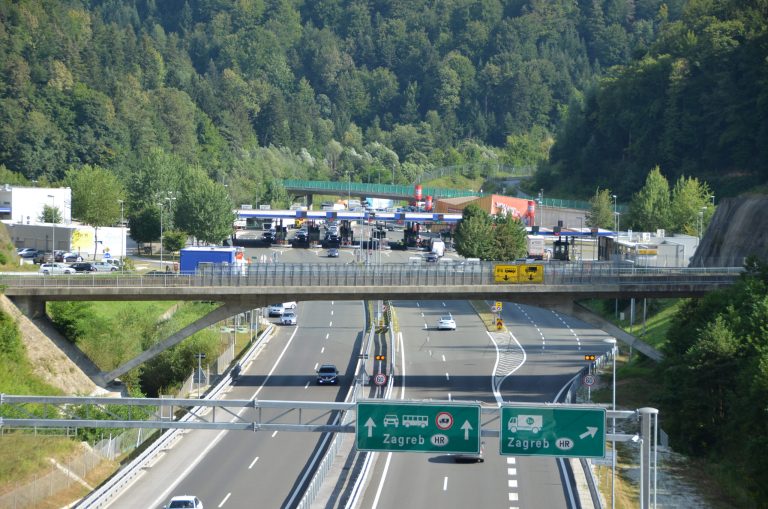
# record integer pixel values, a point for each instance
(444, 420)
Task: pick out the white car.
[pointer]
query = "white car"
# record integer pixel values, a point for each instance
(55, 268)
(185, 502)
(279, 309)
(446, 322)
(288, 318)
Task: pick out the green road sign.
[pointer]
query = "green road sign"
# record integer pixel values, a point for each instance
(575, 431)
(418, 427)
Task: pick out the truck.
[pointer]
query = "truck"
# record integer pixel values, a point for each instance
(192, 257)
(535, 247)
(437, 247)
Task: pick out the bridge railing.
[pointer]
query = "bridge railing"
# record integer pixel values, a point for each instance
(391, 275)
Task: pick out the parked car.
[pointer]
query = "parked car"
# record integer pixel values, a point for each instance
(28, 252)
(432, 257)
(288, 318)
(446, 322)
(55, 268)
(333, 252)
(104, 266)
(83, 267)
(327, 374)
(279, 308)
(69, 257)
(185, 502)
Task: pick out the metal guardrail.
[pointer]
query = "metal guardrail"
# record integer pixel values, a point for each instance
(392, 275)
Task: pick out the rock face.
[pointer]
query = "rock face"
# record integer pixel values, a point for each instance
(738, 229)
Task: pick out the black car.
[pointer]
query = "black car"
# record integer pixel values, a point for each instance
(327, 374)
(28, 252)
(268, 237)
(83, 267)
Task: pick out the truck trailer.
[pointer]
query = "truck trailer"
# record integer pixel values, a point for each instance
(192, 257)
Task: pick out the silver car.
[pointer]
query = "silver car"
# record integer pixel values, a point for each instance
(55, 268)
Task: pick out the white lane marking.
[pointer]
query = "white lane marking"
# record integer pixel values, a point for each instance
(328, 335)
(225, 499)
(511, 471)
(331, 312)
(449, 396)
(443, 304)
(307, 386)
(513, 497)
(316, 366)
(511, 461)
(381, 483)
(447, 377)
(445, 483)
(443, 358)
(513, 483)
(274, 434)
(221, 434)
(330, 324)
(253, 462)
(322, 350)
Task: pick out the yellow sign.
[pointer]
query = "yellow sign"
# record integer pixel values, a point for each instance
(505, 273)
(498, 306)
(82, 240)
(531, 274)
(499, 324)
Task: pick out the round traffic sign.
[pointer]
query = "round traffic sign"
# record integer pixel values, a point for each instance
(444, 420)
(380, 379)
(589, 380)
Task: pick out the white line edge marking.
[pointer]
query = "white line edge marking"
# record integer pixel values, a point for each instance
(445, 483)
(253, 462)
(221, 434)
(225, 499)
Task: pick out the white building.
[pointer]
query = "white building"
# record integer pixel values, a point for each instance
(22, 207)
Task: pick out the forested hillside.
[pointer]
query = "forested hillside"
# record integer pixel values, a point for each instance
(379, 90)
(696, 104)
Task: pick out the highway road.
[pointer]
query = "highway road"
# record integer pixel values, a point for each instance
(235, 470)
(540, 356)
(238, 469)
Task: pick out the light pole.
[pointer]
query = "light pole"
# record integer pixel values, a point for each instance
(162, 205)
(614, 351)
(53, 227)
(200, 357)
(122, 235)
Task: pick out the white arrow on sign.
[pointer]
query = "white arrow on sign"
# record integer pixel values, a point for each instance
(591, 431)
(466, 427)
(370, 425)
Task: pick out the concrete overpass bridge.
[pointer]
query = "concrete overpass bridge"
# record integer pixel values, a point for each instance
(238, 289)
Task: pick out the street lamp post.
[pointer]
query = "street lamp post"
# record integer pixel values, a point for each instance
(53, 227)
(200, 357)
(614, 351)
(122, 235)
(162, 205)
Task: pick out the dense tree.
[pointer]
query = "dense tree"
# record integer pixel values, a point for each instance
(474, 236)
(96, 195)
(650, 207)
(601, 212)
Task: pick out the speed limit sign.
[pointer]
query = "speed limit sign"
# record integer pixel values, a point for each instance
(380, 379)
(589, 380)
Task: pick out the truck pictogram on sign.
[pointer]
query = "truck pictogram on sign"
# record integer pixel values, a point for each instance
(525, 423)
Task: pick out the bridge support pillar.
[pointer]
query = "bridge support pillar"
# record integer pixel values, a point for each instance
(32, 307)
(309, 201)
